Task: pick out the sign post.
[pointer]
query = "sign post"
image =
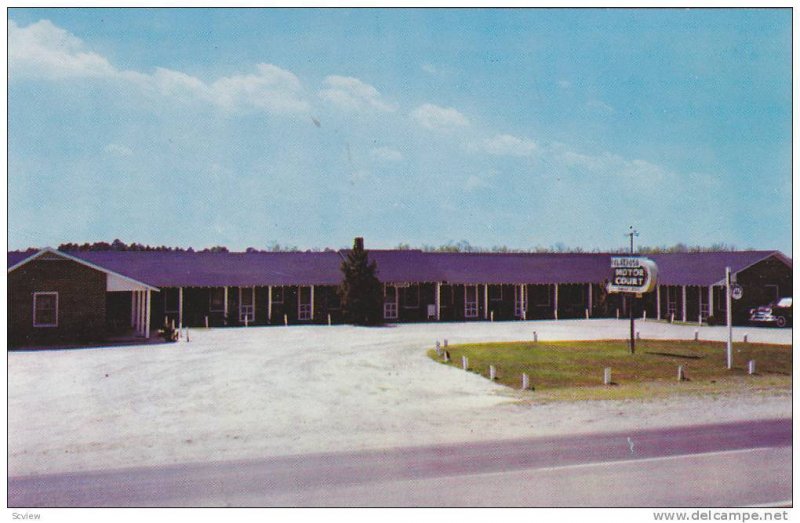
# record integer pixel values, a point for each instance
(632, 276)
(729, 316)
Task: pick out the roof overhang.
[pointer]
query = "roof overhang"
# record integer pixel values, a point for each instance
(777, 254)
(114, 280)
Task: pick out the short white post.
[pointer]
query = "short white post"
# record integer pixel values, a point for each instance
(464, 362)
(173, 324)
(526, 382)
(745, 338)
(491, 315)
(644, 314)
(681, 373)
(329, 320)
(445, 356)
(607, 376)
(638, 335)
(617, 312)
(672, 318)
(700, 318)
(492, 373)
(246, 316)
(438, 348)
(751, 367)
(445, 342)
(696, 335)
(587, 313)
(206, 322)
(286, 319)
(535, 337)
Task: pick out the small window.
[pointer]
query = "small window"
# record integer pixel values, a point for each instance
(495, 292)
(411, 297)
(216, 299)
(334, 301)
(45, 309)
(170, 300)
(277, 295)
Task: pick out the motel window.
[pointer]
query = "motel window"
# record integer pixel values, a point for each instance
(495, 292)
(170, 300)
(216, 299)
(277, 295)
(542, 295)
(45, 309)
(333, 301)
(411, 297)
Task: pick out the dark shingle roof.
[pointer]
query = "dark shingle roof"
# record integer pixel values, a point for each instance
(190, 269)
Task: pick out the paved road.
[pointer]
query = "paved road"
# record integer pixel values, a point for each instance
(745, 463)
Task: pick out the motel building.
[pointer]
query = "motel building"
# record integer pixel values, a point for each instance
(67, 298)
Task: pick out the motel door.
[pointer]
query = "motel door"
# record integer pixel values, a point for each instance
(470, 301)
(304, 297)
(390, 302)
(247, 304)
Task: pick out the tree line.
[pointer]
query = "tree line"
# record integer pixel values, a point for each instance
(460, 246)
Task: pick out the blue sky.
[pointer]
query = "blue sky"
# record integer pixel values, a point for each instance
(307, 127)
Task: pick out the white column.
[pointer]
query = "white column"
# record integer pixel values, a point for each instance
(312, 301)
(180, 306)
(133, 308)
(141, 312)
(589, 305)
(147, 317)
(658, 301)
(269, 304)
(485, 301)
(438, 300)
(555, 302)
(225, 304)
(683, 304)
(710, 300)
(699, 304)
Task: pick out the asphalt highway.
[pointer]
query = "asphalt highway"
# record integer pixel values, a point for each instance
(735, 464)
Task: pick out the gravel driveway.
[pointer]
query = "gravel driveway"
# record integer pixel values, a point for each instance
(250, 392)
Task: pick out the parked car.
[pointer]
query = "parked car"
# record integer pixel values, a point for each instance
(778, 313)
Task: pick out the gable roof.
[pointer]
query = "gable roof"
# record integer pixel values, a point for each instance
(207, 269)
(50, 252)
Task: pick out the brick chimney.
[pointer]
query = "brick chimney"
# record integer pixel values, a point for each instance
(358, 243)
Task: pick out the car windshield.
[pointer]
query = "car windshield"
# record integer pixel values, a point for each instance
(784, 302)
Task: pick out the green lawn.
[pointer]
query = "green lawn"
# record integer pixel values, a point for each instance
(574, 370)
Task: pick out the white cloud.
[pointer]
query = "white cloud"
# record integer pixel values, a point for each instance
(600, 106)
(43, 50)
(508, 145)
(474, 183)
(118, 150)
(429, 68)
(353, 94)
(386, 154)
(435, 117)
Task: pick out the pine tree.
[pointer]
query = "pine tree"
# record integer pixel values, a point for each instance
(361, 293)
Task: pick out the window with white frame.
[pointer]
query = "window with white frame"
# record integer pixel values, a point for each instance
(45, 309)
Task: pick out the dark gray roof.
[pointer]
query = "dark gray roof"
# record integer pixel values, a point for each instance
(190, 269)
